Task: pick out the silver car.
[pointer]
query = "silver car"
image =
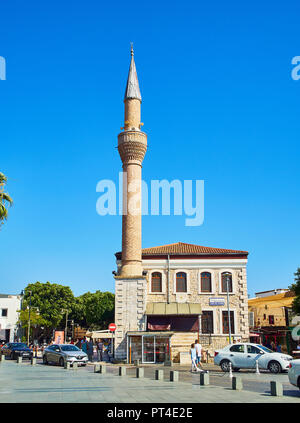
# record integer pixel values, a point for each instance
(62, 353)
(247, 356)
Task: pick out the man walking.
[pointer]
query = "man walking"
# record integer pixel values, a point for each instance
(198, 348)
(100, 350)
(90, 349)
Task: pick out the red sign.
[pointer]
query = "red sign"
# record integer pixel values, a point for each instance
(112, 327)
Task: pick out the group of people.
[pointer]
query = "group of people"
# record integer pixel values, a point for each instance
(196, 355)
(88, 347)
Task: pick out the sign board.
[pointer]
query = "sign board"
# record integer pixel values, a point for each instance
(112, 327)
(217, 301)
(59, 337)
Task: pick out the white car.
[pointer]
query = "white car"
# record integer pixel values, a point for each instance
(294, 373)
(245, 356)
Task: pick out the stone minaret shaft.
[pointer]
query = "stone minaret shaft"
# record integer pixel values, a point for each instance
(132, 146)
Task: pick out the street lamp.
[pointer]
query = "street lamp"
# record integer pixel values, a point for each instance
(28, 332)
(228, 307)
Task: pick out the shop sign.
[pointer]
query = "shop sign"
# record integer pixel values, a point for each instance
(216, 301)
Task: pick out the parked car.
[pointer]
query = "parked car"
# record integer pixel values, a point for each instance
(245, 356)
(294, 372)
(62, 353)
(16, 349)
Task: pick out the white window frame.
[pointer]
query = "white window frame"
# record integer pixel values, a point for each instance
(163, 282)
(213, 290)
(187, 282)
(4, 317)
(214, 322)
(233, 281)
(234, 320)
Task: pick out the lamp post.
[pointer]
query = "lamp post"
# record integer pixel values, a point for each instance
(28, 332)
(228, 307)
(66, 328)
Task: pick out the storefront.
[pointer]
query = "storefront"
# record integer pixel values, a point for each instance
(149, 348)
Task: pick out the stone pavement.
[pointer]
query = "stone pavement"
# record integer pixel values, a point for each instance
(23, 383)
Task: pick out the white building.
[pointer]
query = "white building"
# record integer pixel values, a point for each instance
(9, 307)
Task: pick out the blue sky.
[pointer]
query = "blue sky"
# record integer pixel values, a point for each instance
(219, 105)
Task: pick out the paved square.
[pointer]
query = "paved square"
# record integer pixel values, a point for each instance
(23, 383)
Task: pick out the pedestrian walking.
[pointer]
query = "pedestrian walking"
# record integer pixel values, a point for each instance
(90, 349)
(193, 353)
(198, 348)
(100, 350)
(84, 345)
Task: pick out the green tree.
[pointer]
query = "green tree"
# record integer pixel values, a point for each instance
(5, 199)
(94, 310)
(51, 300)
(295, 287)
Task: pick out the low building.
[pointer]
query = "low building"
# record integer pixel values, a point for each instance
(183, 297)
(271, 319)
(9, 307)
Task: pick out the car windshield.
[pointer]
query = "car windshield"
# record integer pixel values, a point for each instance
(265, 349)
(18, 345)
(69, 348)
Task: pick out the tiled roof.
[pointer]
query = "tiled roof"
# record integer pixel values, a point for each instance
(188, 249)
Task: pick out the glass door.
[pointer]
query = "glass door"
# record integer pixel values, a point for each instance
(148, 349)
(162, 349)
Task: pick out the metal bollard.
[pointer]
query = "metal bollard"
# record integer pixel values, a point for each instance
(2, 358)
(33, 361)
(230, 370)
(122, 371)
(75, 366)
(139, 372)
(19, 360)
(257, 368)
(204, 379)
(67, 365)
(136, 362)
(276, 389)
(159, 375)
(97, 368)
(237, 383)
(174, 376)
(102, 369)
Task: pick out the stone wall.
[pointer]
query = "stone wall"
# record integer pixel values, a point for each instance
(130, 305)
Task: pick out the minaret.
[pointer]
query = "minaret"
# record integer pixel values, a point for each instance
(132, 146)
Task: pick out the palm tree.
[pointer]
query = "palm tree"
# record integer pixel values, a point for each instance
(5, 199)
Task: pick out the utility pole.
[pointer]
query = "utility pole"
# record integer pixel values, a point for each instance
(28, 331)
(66, 326)
(228, 307)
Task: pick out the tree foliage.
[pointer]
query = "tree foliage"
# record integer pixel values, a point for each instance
(51, 300)
(295, 287)
(5, 199)
(94, 310)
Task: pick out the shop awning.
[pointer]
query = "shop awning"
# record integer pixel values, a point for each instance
(173, 309)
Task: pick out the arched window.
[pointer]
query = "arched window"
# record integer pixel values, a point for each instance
(226, 276)
(181, 285)
(156, 285)
(205, 282)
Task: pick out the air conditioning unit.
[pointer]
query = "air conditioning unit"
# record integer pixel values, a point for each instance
(251, 318)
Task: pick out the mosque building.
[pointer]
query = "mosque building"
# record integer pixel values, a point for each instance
(168, 296)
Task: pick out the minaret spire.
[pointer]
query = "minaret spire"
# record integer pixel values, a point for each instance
(132, 87)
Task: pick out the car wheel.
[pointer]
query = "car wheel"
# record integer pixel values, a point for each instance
(45, 361)
(61, 362)
(225, 365)
(12, 356)
(298, 382)
(274, 367)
